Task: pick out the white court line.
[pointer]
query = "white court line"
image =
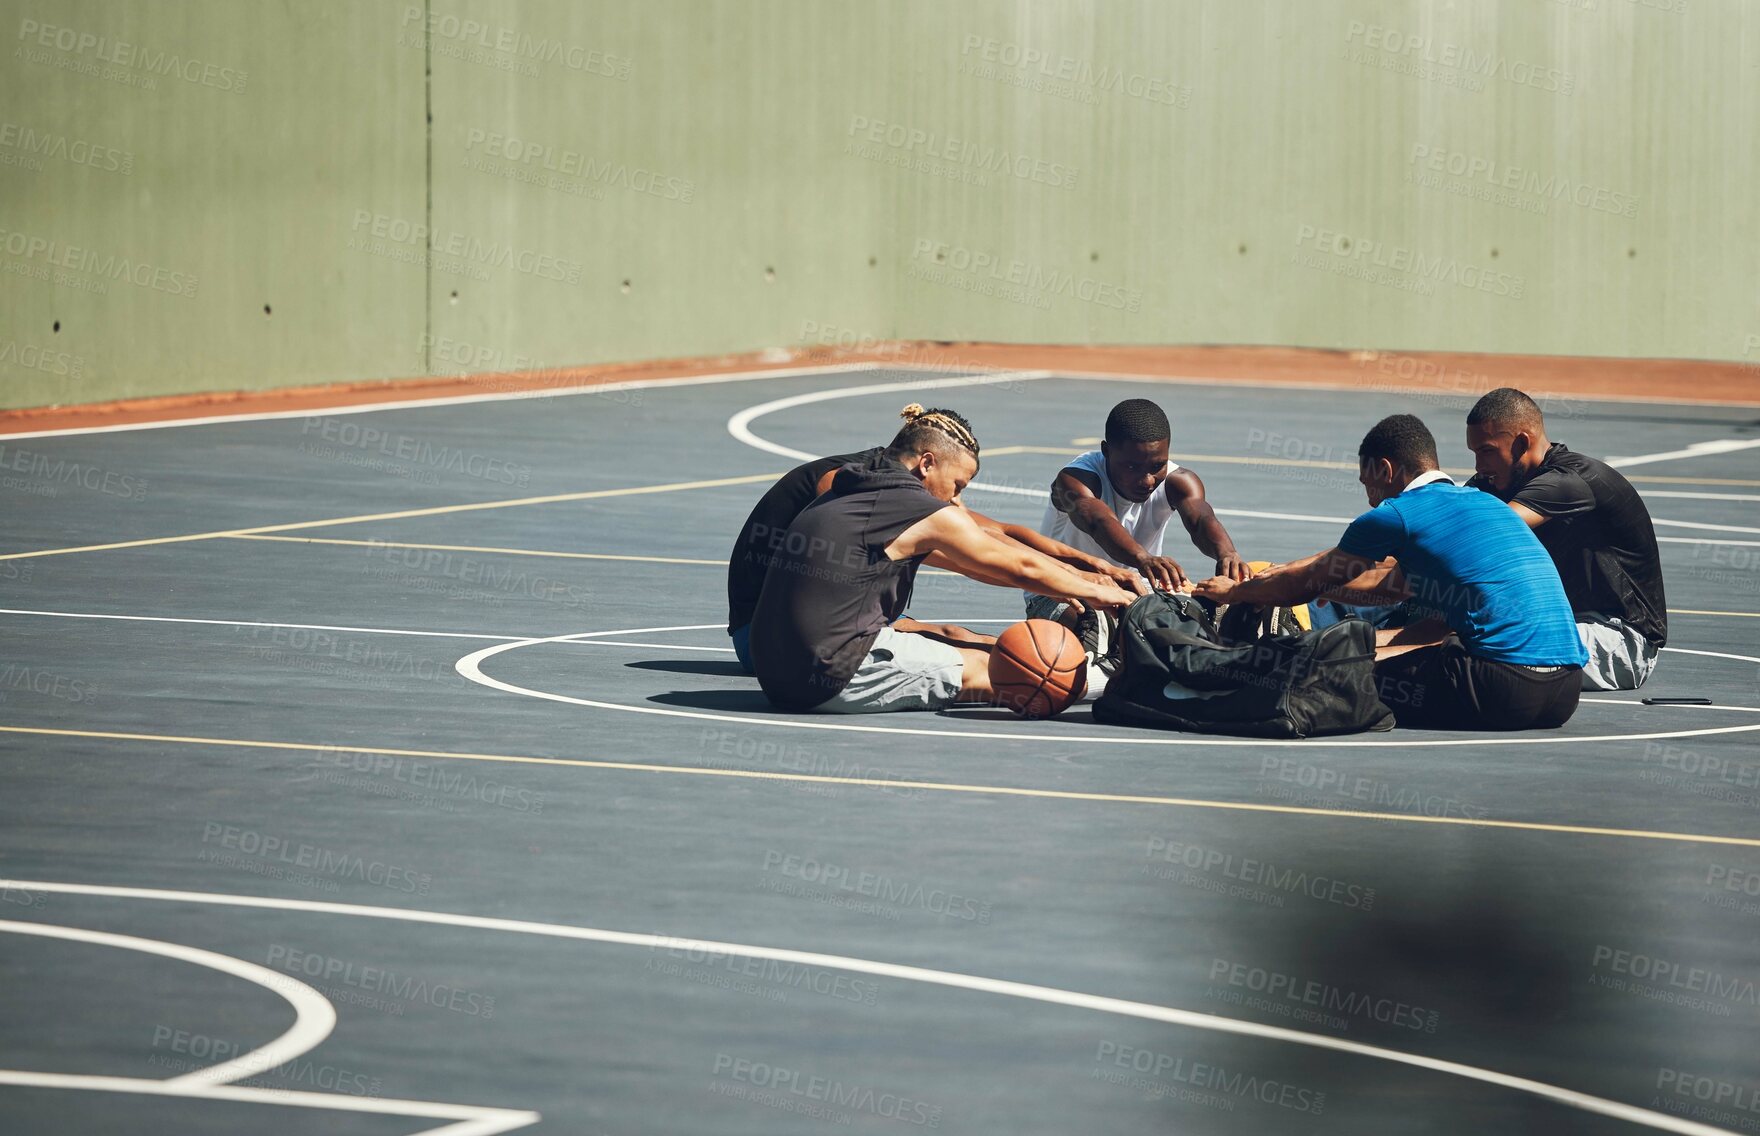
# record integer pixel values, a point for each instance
(1713, 654)
(252, 623)
(740, 427)
(459, 400)
(1270, 516)
(1045, 495)
(1707, 540)
(737, 425)
(470, 667)
(1028, 991)
(586, 639)
(1696, 450)
(661, 646)
(471, 1120)
(1698, 496)
(387, 630)
(1700, 525)
(313, 1016)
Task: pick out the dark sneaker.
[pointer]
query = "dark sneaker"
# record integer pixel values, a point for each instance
(1098, 631)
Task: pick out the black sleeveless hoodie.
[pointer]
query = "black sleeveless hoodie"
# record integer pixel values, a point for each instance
(830, 589)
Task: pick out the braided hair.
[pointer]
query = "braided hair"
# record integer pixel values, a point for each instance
(932, 430)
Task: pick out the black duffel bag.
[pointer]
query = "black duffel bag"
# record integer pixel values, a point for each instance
(1177, 671)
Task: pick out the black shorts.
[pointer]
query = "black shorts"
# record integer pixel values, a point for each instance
(1445, 688)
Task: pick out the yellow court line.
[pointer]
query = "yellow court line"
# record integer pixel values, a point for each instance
(628, 491)
(1694, 611)
(883, 783)
(476, 548)
(1069, 451)
(507, 551)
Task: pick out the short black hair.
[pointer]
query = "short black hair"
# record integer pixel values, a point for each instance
(933, 429)
(1505, 406)
(1137, 420)
(1402, 439)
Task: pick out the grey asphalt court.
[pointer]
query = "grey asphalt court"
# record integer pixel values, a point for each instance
(388, 772)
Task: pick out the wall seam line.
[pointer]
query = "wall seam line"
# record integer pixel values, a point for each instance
(428, 185)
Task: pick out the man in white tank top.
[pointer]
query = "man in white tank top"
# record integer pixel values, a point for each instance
(1115, 502)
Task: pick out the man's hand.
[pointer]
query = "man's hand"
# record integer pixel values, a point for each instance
(1232, 566)
(1216, 589)
(1094, 567)
(1123, 577)
(1164, 573)
(1112, 596)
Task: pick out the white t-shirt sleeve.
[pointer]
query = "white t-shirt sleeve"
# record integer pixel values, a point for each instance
(1094, 462)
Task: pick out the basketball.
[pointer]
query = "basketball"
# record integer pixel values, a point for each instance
(1038, 668)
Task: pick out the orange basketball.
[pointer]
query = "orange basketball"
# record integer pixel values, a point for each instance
(1038, 668)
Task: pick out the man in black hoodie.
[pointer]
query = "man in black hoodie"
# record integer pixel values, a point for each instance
(762, 534)
(823, 635)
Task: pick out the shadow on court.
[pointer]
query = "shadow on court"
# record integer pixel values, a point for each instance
(689, 667)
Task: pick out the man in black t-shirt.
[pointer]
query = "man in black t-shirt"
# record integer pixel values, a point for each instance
(1593, 524)
(761, 536)
(762, 533)
(827, 634)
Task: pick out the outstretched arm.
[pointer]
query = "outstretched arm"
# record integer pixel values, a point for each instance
(1076, 493)
(1057, 550)
(1185, 492)
(1296, 582)
(1385, 583)
(949, 564)
(951, 539)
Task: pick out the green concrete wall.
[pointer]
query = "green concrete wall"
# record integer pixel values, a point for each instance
(604, 181)
(174, 169)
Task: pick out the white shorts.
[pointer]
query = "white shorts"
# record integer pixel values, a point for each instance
(1619, 657)
(903, 671)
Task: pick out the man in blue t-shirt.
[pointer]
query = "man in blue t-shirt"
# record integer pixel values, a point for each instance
(1493, 645)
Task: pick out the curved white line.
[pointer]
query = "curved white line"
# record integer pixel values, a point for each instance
(1028, 991)
(739, 424)
(313, 1019)
(470, 667)
(740, 427)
